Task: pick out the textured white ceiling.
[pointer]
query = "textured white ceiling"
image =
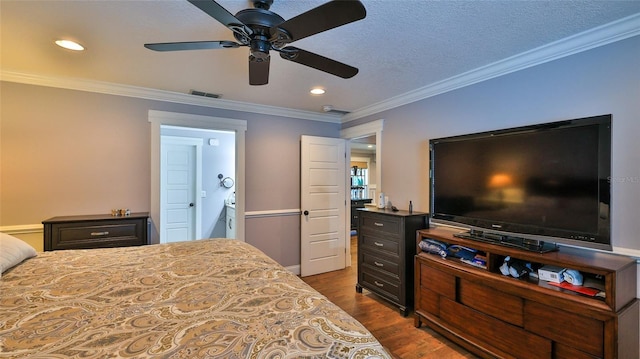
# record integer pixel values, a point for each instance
(401, 46)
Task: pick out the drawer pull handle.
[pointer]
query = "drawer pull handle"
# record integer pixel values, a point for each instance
(378, 283)
(378, 244)
(378, 264)
(379, 224)
(99, 233)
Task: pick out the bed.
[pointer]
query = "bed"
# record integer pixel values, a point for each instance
(212, 298)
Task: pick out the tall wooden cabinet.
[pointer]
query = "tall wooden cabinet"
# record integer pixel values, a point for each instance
(386, 247)
(499, 316)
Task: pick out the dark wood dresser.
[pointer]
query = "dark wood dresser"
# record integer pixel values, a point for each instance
(96, 231)
(386, 247)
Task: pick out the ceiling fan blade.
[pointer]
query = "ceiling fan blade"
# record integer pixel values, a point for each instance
(221, 14)
(319, 19)
(318, 62)
(191, 45)
(259, 70)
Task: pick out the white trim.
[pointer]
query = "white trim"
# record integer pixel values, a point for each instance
(273, 213)
(599, 36)
(161, 95)
(22, 229)
(162, 118)
(635, 253)
(295, 269)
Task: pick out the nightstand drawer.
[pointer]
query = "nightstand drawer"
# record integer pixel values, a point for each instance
(95, 234)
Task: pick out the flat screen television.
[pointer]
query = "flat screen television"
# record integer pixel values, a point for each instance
(532, 187)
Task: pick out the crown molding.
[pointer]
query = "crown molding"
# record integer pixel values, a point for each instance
(161, 95)
(596, 37)
(599, 36)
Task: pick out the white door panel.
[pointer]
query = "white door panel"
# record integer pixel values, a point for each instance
(176, 234)
(325, 249)
(323, 202)
(177, 216)
(176, 196)
(179, 184)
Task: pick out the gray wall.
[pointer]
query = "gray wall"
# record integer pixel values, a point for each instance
(66, 152)
(599, 81)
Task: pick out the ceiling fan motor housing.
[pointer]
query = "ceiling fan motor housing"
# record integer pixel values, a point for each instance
(259, 21)
(262, 4)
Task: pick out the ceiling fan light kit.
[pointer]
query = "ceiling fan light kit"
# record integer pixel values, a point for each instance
(263, 30)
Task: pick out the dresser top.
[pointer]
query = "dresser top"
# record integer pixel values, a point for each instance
(94, 217)
(399, 213)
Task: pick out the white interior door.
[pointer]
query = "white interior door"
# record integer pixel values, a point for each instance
(323, 203)
(179, 184)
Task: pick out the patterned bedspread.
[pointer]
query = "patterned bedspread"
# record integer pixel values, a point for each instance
(212, 298)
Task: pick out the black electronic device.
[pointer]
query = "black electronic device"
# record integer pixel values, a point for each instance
(529, 187)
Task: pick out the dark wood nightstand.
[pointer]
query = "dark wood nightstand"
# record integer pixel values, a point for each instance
(96, 231)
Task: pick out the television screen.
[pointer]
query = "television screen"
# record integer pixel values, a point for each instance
(546, 182)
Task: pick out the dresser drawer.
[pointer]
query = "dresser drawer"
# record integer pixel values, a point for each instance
(381, 223)
(381, 283)
(493, 302)
(387, 265)
(437, 281)
(505, 337)
(573, 330)
(388, 245)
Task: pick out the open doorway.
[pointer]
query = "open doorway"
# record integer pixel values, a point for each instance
(363, 174)
(212, 129)
(360, 137)
(197, 172)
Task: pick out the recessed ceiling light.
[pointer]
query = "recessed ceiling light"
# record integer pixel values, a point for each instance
(71, 45)
(317, 91)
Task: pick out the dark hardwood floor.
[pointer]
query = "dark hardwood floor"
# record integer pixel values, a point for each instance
(396, 333)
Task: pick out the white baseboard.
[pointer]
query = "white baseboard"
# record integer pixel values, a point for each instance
(294, 269)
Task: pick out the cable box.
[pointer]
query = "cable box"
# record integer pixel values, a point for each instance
(551, 273)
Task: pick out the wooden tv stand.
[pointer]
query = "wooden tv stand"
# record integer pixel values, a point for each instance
(498, 316)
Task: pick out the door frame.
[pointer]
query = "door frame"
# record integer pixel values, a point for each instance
(197, 143)
(350, 133)
(368, 129)
(164, 118)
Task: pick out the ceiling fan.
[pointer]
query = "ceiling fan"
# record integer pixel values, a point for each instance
(263, 30)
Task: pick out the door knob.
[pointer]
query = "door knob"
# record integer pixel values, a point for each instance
(191, 204)
(306, 213)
